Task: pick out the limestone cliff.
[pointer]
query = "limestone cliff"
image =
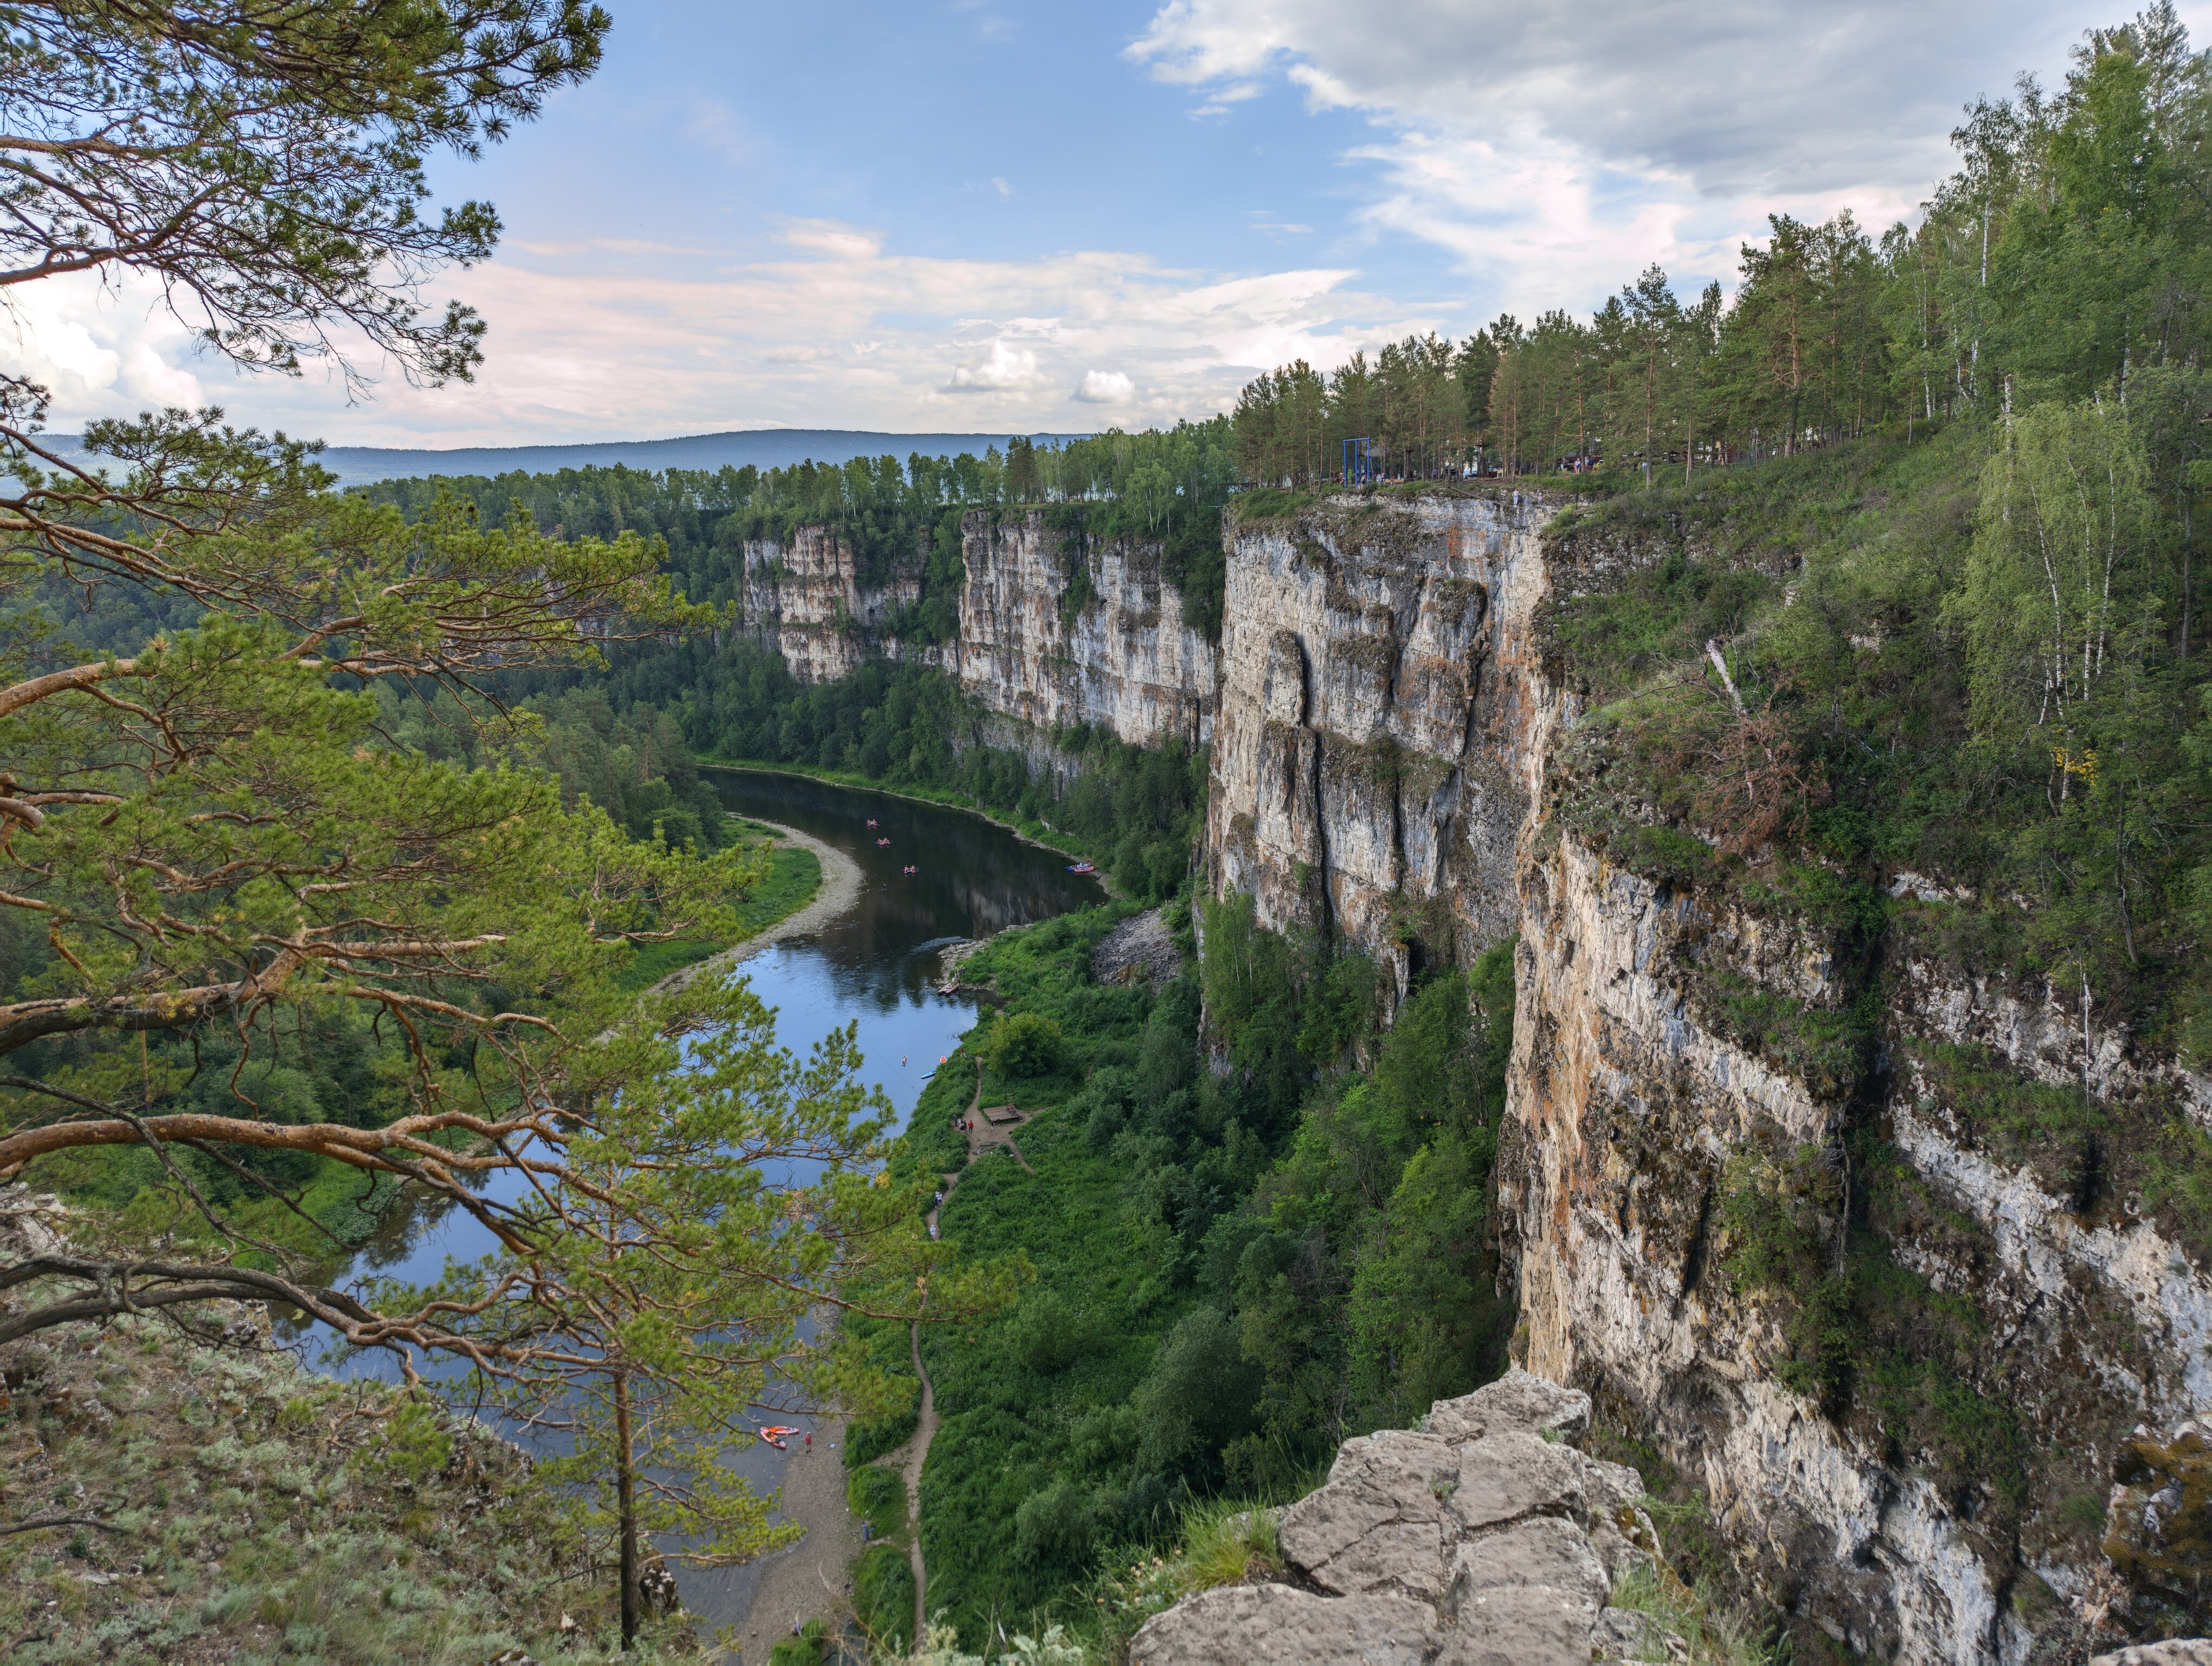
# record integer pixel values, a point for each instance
(1058, 628)
(1382, 719)
(1989, 1454)
(1055, 627)
(803, 597)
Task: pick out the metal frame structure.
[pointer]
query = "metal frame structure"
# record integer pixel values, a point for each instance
(1359, 462)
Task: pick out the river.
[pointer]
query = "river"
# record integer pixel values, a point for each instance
(872, 966)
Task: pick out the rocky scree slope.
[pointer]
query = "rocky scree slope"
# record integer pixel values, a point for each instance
(1485, 1537)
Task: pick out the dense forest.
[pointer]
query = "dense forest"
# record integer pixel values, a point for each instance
(2066, 256)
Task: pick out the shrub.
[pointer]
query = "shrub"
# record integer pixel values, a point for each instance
(1023, 1047)
(883, 1596)
(878, 1496)
(1057, 1524)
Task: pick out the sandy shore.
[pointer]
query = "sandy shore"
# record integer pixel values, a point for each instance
(839, 890)
(810, 1577)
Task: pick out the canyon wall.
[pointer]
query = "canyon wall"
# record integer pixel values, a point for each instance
(1383, 719)
(1945, 1490)
(1763, 1185)
(1117, 655)
(1055, 627)
(803, 597)
(1983, 1446)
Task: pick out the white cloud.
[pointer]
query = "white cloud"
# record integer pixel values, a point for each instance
(107, 350)
(609, 342)
(1006, 366)
(1001, 186)
(1105, 387)
(828, 237)
(1553, 152)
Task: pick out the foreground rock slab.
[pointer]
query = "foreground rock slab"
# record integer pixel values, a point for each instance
(1484, 1538)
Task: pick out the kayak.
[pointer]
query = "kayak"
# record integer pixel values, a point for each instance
(775, 1434)
(1079, 867)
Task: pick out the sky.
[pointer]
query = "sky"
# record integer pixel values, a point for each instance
(1004, 215)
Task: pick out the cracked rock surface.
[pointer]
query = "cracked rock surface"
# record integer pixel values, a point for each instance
(1484, 1538)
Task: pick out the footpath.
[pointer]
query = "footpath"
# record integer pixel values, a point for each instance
(982, 1135)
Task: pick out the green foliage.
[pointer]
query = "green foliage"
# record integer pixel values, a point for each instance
(877, 1495)
(1161, 486)
(1079, 595)
(2038, 269)
(653, 1285)
(1360, 1276)
(1216, 1542)
(883, 1596)
(1022, 1046)
(1864, 1336)
(794, 875)
(1043, 1457)
(196, 179)
(1135, 809)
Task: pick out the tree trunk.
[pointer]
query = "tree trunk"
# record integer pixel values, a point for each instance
(626, 1503)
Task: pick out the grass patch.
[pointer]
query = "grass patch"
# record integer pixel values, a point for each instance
(882, 1598)
(1220, 1542)
(877, 1495)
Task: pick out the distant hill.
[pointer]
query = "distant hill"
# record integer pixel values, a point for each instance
(775, 447)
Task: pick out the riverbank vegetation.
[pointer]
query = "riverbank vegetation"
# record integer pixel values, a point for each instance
(1132, 809)
(1231, 1270)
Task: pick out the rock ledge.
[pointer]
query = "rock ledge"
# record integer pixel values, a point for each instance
(1485, 1537)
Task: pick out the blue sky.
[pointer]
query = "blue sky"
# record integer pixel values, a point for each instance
(999, 214)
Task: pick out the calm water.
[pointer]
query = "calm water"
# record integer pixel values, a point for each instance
(873, 967)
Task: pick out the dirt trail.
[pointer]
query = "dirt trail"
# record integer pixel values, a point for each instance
(982, 1136)
(983, 1133)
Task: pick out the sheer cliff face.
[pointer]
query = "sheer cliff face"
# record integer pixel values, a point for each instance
(1122, 659)
(1393, 759)
(803, 597)
(1381, 721)
(1637, 1108)
(1118, 654)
